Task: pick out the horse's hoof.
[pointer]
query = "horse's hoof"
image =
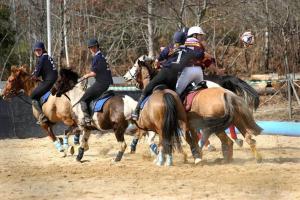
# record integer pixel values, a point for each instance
(61, 140)
(211, 148)
(259, 158)
(63, 154)
(80, 154)
(71, 150)
(239, 142)
(159, 163)
(132, 151)
(197, 161)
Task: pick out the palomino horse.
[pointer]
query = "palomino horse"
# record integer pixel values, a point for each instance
(212, 110)
(55, 109)
(163, 113)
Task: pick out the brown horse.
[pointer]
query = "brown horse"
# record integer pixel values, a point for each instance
(163, 113)
(212, 110)
(56, 109)
(112, 116)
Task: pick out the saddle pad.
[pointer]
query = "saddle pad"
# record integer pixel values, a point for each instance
(144, 102)
(189, 100)
(45, 97)
(100, 103)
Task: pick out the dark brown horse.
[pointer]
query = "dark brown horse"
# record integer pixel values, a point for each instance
(212, 110)
(56, 109)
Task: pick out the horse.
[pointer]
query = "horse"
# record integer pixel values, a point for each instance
(163, 113)
(56, 109)
(212, 110)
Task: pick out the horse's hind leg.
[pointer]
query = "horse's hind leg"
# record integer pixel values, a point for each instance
(192, 138)
(252, 144)
(119, 133)
(227, 146)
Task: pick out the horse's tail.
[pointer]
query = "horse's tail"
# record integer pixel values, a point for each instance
(171, 129)
(217, 124)
(245, 116)
(237, 85)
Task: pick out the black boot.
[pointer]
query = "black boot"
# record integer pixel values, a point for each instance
(87, 117)
(41, 118)
(136, 112)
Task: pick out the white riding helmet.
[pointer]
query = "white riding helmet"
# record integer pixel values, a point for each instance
(195, 30)
(247, 38)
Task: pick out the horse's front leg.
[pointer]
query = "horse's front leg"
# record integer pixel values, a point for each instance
(57, 143)
(84, 146)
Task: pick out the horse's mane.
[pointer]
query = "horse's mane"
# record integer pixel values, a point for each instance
(69, 74)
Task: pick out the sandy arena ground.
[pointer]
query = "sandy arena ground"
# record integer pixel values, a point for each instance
(32, 169)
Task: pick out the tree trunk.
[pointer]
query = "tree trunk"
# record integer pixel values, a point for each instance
(265, 66)
(150, 29)
(66, 33)
(201, 11)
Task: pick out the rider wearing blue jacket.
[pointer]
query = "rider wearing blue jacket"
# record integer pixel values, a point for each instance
(100, 70)
(46, 69)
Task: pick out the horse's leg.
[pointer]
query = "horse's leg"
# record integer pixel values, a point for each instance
(119, 133)
(135, 140)
(227, 146)
(160, 157)
(52, 136)
(252, 144)
(191, 138)
(84, 146)
(67, 133)
(76, 137)
(153, 147)
(233, 135)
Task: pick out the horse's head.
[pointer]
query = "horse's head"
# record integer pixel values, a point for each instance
(15, 82)
(66, 82)
(136, 71)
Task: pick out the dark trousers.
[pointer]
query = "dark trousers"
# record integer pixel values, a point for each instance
(165, 76)
(94, 92)
(41, 89)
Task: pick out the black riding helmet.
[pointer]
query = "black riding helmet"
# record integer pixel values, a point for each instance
(93, 42)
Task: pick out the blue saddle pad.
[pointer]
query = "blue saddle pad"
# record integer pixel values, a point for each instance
(45, 97)
(98, 105)
(144, 102)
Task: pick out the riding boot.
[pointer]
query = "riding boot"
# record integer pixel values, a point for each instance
(87, 118)
(136, 112)
(41, 118)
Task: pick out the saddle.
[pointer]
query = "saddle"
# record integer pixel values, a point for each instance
(44, 98)
(190, 92)
(158, 87)
(97, 104)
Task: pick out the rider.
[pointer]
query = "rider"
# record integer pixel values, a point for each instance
(46, 69)
(194, 72)
(177, 58)
(100, 70)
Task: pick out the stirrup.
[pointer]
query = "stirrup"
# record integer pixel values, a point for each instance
(42, 119)
(134, 116)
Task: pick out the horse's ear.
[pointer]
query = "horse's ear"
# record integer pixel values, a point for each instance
(14, 69)
(25, 68)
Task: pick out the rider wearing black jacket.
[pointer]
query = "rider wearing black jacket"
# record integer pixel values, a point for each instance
(168, 75)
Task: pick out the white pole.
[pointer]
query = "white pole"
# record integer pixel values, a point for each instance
(65, 34)
(48, 27)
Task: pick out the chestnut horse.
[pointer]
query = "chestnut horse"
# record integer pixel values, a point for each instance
(163, 113)
(212, 110)
(56, 109)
